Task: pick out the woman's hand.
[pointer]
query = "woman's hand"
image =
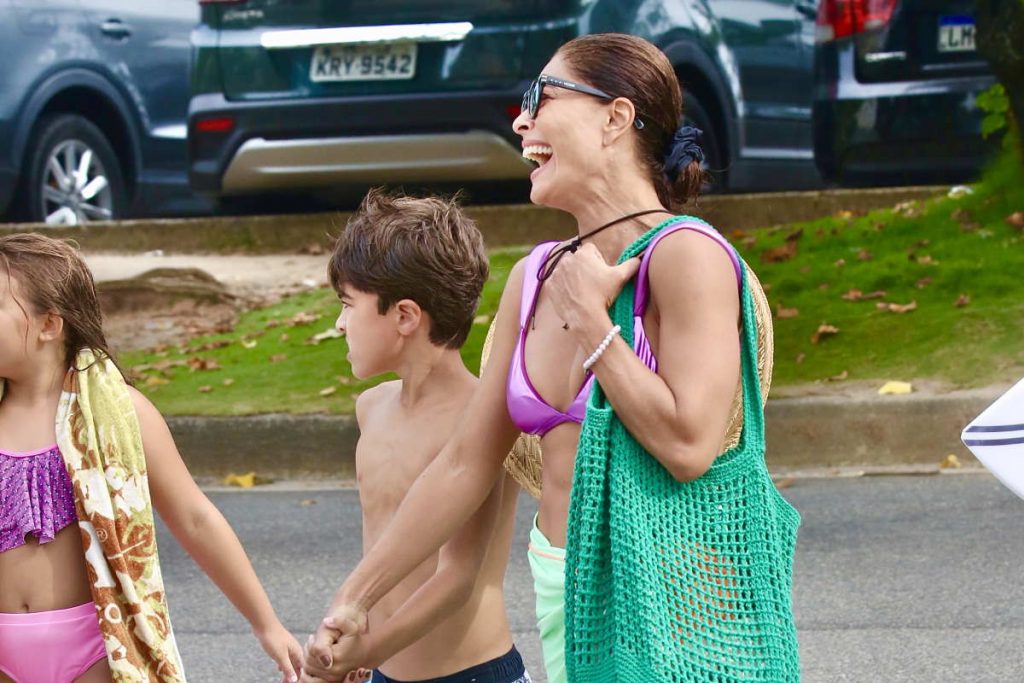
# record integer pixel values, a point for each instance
(283, 648)
(583, 286)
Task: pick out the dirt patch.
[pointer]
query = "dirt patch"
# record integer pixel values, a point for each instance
(153, 299)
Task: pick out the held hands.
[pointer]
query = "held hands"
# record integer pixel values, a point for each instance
(349, 655)
(284, 649)
(342, 620)
(584, 285)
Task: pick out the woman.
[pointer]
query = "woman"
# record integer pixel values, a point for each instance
(602, 122)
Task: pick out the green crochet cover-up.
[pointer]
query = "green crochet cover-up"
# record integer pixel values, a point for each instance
(678, 582)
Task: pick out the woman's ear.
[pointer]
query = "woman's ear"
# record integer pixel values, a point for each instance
(621, 114)
(410, 316)
(52, 327)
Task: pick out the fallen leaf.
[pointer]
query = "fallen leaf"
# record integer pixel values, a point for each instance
(481, 320)
(330, 333)
(273, 322)
(342, 379)
(328, 391)
(786, 313)
(950, 462)
(923, 282)
(228, 382)
(278, 357)
(924, 260)
(864, 255)
(893, 387)
(738, 233)
(857, 295)
(897, 308)
(840, 377)
(800, 358)
(824, 330)
(1016, 220)
(907, 209)
(303, 318)
(197, 364)
(958, 191)
(962, 300)
(840, 263)
(155, 381)
(205, 389)
(749, 242)
(284, 337)
(795, 235)
(246, 481)
(844, 214)
(780, 253)
(249, 343)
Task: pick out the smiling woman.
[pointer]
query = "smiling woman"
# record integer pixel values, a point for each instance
(661, 549)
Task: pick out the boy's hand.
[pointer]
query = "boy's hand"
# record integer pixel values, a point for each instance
(342, 620)
(284, 649)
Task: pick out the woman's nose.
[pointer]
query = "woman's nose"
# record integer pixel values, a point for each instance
(522, 123)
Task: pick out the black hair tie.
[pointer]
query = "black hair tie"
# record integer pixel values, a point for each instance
(682, 151)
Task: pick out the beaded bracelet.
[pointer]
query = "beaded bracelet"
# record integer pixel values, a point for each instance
(605, 343)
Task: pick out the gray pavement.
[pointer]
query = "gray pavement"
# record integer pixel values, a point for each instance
(898, 579)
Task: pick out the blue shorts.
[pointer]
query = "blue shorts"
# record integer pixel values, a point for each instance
(508, 668)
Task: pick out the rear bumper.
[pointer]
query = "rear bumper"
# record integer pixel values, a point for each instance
(307, 144)
(913, 130)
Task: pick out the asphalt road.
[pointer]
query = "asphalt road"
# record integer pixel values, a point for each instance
(915, 579)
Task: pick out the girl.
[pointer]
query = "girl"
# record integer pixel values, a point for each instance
(85, 602)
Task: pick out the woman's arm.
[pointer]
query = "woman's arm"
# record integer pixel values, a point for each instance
(448, 491)
(208, 539)
(459, 563)
(680, 414)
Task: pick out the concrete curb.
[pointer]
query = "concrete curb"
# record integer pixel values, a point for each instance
(802, 434)
(501, 225)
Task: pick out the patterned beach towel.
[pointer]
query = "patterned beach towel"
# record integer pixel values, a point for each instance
(98, 434)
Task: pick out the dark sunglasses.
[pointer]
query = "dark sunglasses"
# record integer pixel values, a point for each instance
(531, 98)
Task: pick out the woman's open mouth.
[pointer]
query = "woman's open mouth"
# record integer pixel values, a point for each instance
(538, 154)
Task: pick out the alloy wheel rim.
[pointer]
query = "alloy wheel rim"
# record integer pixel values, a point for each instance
(75, 186)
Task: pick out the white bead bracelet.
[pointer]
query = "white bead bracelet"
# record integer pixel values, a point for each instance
(601, 348)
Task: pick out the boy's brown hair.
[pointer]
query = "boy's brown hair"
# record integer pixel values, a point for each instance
(423, 249)
(53, 276)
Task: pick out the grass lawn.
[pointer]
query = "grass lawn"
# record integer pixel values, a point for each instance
(952, 266)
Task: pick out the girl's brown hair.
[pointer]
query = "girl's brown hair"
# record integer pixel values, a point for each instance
(631, 67)
(52, 276)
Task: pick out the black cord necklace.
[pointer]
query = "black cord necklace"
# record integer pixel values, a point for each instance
(547, 267)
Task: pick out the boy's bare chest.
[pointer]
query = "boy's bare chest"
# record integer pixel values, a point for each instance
(391, 454)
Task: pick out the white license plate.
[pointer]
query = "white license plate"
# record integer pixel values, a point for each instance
(956, 34)
(388, 62)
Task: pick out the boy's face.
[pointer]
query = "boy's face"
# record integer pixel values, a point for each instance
(372, 337)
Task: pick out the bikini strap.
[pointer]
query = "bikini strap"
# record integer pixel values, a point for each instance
(643, 289)
(530, 282)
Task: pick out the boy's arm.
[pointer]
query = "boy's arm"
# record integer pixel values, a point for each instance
(208, 538)
(459, 563)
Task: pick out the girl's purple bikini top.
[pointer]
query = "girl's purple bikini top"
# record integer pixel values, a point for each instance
(36, 496)
(531, 413)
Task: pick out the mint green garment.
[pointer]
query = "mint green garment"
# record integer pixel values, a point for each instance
(678, 582)
(547, 564)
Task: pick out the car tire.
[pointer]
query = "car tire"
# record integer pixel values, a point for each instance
(71, 175)
(694, 114)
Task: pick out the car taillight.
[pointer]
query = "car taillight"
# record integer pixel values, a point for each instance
(220, 124)
(842, 18)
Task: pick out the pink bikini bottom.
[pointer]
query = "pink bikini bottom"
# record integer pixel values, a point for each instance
(50, 647)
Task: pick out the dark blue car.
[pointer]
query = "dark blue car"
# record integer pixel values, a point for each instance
(93, 98)
(895, 94)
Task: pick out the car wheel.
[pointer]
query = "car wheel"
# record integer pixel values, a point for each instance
(696, 115)
(72, 176)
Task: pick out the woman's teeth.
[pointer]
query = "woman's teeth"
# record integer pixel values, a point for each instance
(538, 154)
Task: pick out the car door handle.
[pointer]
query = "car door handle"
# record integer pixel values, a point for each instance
(115, 28)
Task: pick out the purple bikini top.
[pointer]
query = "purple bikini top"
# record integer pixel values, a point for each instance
(36, 496)
(527, 409)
